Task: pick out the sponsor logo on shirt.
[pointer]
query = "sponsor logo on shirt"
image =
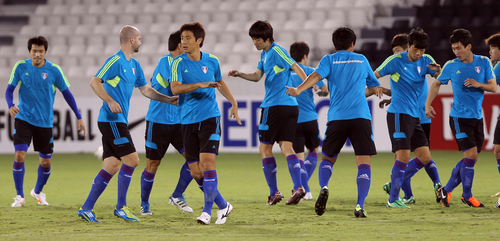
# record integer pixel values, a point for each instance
(44, 75)
(204, 68)
(348, 62)
(458, 72)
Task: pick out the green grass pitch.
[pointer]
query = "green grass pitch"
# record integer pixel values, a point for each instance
(241, 182)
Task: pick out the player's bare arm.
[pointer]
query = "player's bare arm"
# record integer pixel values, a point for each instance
(323, 91)
(435, 67)
(151, 93)
(433, 91)
(233, 112)
(491, 86)
(254, 77)
(310, 81)
(178, 88)
(98, 88)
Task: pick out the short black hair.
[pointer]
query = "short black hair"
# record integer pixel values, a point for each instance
(493, 40)
(298, 49)
(418, 38)
(261, 29)
(461, 35)
(174, 40)
(39, 41)
(343, 37)
(196, 28)
(400, 40)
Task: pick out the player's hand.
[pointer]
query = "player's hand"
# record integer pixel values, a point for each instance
(233, 73)
(471, 83)
(322, 94)
(291, 91)
(384, 103)
(81, 127)
(115, 107)
(13, 111)
(434, 66)
(173, 100)
(233, 113)
(386, 91)
(205, 85)
(315, 88)
(378, 91)
(429, 111)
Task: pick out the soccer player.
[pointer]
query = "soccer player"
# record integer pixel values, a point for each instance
(307, 132)
(194, 76)
(349, 116)
(114, 84)
(494, 43)
(35, 116)
(279, 111)
(162, 129)
(399, 45)
(408, 71)
(470, 76)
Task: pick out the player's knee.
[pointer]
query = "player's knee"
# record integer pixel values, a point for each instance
(196, 175)
(20, 156)
(152, 165)
(44, 162)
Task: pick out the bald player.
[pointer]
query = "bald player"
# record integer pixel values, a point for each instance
(114, 83)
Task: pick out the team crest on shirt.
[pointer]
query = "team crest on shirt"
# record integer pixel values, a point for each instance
(419, 69)
(478, 69)
(204, 68)
(44, 75)
(133, 71)
(265, 58)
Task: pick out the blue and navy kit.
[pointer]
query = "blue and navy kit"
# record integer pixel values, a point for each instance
(160, 112)
(347, 74)
(276, 63)
(200, 104)
(119, 76)
(37, 89)
(307, 109)
(407, 82)
(467, 101)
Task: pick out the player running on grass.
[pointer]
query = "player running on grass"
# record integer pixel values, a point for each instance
(279, 111)
(37, 79)
(470, 76)
(349, 116)
(114, 84)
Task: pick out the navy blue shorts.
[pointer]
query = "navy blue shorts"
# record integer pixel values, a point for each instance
(405, 132)
(116, 139)
(159, 137)
(278, 123)
(201, 137)
(42, 137)
(306, 134)
(468, 133)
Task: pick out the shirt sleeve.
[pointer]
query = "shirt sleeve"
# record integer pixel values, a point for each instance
(387, 67)
(282, 59)
(430, 60)
(217, 72)
(140, 79)
(323, 68)
(260, 65)
(489, 70)
(60, 80)
(496, 69)
(445, 77)
(110, 69)
(14, 76)
(371, 79)
(176, 73)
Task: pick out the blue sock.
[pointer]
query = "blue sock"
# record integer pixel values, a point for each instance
(184, 180)
(147, 180)
(43, 176)
(219, 200)
(98, 185)
(455, 178)
(498, 165)
(209, 189)
(432, 171)
(324, 172)
(467, 176)
(294, 169)
(270, 170)
(18, 172)
(303, 176)
(124, 177)
(414, 165)
(397, 173)
(310, 162)
(363, 181)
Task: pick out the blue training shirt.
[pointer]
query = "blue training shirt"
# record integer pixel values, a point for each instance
(120, 76)
(347, 74)
(407, 82)
(496, 70)
(158, 111)
(37, 89)
(307, 109)
(200, 104)
(276, 63)
(467, 101)
(421, 102)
